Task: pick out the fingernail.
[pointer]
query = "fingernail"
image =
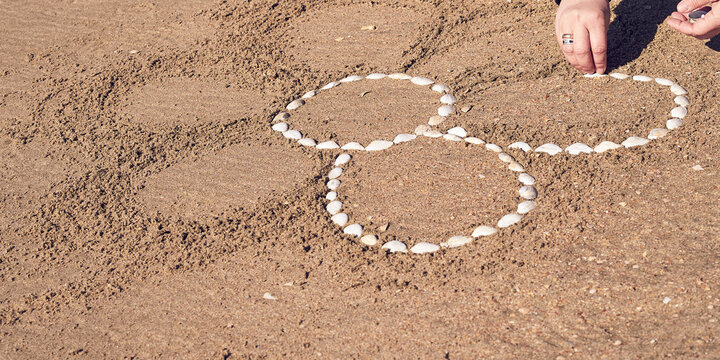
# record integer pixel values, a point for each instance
(683, 8)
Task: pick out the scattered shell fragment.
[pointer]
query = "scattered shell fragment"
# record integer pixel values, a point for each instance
(508, 220)
(376, 76)
(421, 129)
(578, 148)
(369, 240)
(335, 173)
(698, 167)
(445, 110)
(474, 140)
(400, 76)
(395, 246)
(657, 133)
(433, 134)
(678, 90)
(307, 142)
(424, 247)
(292, 134)
(505, 157)
(383, 227)
(634, 141)
(333, 184)
(281, 116)
(673, 124)
(549, 148)
(435, 120)
(268, 296)
(331, 196)
(515, 166)
(342, 159)
(422, 81)
(368, 27)
(520, 145)
(328, 145)
(401, 138)
(679, 112)
(281, 127)
(642, 78)
(353, 146)
(330, 85)
(525, 207)
(456, 241)
(352, 78)
(365, 93)
(377, 145)
(466, 108)
(340, 219)
(452, 137)
(605, 146)
(493, 147)
(483, 230)
(526, 179)
(458, 131)
(354, 229)
(664, 82)
(619, 76)
(310, 94)
(333, 207)
(448, 99)
(295, 104)
(682, 101)
(440, 88)
(528, 192)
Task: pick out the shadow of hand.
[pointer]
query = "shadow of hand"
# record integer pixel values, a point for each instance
(714, 43)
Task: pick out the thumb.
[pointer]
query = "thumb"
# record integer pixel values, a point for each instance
(686, 6)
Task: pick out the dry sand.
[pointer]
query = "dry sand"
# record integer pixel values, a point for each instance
(146, 206)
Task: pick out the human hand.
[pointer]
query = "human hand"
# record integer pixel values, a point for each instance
(587, 21)
(702, 29)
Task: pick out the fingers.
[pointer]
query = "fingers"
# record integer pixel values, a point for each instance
(598, 44)
(583, 51)
(679, 16)
(686, 6)
(703, 29)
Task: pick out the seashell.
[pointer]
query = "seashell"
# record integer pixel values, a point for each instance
(448, 99)
(370, 240)
(295, 104)
(673, 124)
(682, 101)
(508, 220)
(333, 184)
(281, 116)
(440, 88)
(331, 196)
(515, 166)
(401, 138)
(330, 85)
(528, 192)
(422, 81)
(281, 127)
(578, 148)
(395, 246)
(605, 146)
(549, 148)
(458, 131)
(474, 140)
(456, 241)
(678, 90)
(377, 145)
(353, 146)
(657, 133)
(445, 110)
(619, 76)
(421, 129)
(400, 76)
(376, 76)
(433, 134)
(335, 173)
(483, 230)
(634, 141)
(268, 296)
(333, 207)
(505, 157)
(525, 207)
(352, 78)
(435, 120)
(493, 147)
(642, 78)
(328, 145)
(526, 179)
(310, 94)
(452, 137)
(664, 82)
(520, 145)
(340, 219)
(307, 142)
(292, 134)
(679, 112)
(354, 229)
(342, 159)
(424, 247)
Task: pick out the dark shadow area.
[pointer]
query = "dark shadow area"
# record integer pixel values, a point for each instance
(634, 28)
(714, 43)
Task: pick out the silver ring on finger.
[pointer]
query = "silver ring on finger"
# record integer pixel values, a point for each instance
(567, 39)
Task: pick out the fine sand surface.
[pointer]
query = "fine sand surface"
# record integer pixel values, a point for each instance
(146, 207)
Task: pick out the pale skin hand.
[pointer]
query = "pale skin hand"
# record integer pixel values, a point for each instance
(704, 28)
(587, 21)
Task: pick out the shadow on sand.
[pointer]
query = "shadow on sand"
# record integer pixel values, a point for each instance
(714, 43)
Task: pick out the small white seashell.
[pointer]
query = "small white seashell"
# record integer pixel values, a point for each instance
(458, 131)
(435, 120)
(483, 230)
(395, 246)
(525, 207)
(292, 134)
(401, 138)
(528, 192)
(605, 146)
(673, 124)
(328, 145)
(619, 76)
(377, 145)
(342, 159)
(369, 240)
(295, 104)
(448, 99)
(310, 94)
(664, 82)
(515, 166)
(352, 78)
(376, 76)
(678, 90)
(400, 76)
(578, 148)
(679, 112)
(422, 81)
(508, 220)
(335, 173)
(634, 141)
(424, 247)
(331, 196)
(445, 110)
(526, 179)
(456, 241)
(281, 127)
(421, 129)
(520, 145)
(307, 142)
(505, 157)
(441, 88)
(698, 167)
(493, 147)
(474, 140)
(340, 219)
(333, 207)
(549, 148)
(354, 229)
(353, 146)
(333, 184)
(433, 134)
(682, 101)
(657, 133)
(281, 116)
(642, 78)
(268, 296)
(330, 85)
(452, 137)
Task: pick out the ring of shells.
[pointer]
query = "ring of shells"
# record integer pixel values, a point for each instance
(526, 192)
(677, 114)
(280, 125)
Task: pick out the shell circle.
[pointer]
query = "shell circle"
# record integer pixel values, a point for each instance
(677, 114)
(527, 192)
(280, 125)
